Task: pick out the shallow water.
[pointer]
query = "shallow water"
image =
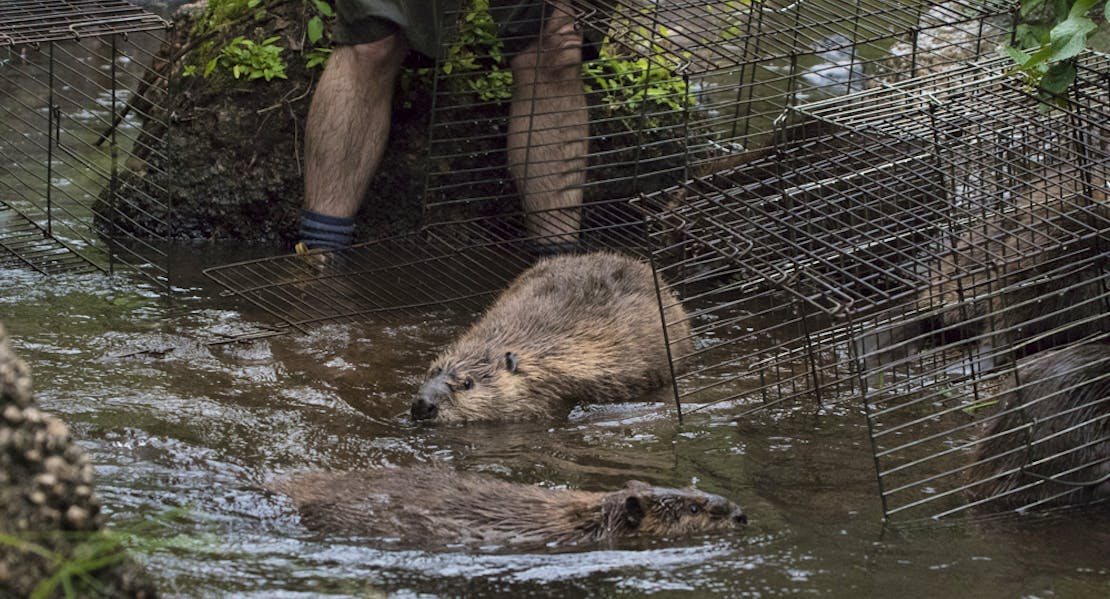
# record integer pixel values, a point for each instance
(187, 436)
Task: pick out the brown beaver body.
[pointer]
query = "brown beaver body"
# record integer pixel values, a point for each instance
(1055, 423)
(573, 328)
(437, 506)
(1017, 285)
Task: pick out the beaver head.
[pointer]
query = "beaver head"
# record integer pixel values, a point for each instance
(470, 388)
(643, 510)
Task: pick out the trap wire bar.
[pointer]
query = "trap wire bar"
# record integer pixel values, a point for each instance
(76, 79)
(37, 21)
(678, 90)
(942, 237)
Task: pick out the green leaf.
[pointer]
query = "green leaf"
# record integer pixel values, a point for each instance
(324, 8)
(208, 68)
(270, 40)
(253, 3)
(1069, 37)
(315, 29)
(1058, 77)
(1017, 55)
(1028, 6)
(235, 71)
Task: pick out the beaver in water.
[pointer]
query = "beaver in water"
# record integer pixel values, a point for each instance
(1015, 285)
(570, 328)
(1055, 423)
(437, 506)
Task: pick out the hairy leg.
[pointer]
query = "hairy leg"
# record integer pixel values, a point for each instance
(348, 124)
(547, 142)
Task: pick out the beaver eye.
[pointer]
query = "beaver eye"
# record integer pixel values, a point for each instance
(694, 509)
(468, 383)
(435, 371)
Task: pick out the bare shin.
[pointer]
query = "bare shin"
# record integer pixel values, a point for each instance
(348, 124)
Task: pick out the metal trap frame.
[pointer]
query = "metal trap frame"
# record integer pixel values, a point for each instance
(75, 77)
(733, 76)
(707, 81)
(944, 251)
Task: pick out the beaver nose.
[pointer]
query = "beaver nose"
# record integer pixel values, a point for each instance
(422, 409)
(739, 518)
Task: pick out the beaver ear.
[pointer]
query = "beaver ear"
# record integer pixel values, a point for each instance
(633, 511)
(510, 362)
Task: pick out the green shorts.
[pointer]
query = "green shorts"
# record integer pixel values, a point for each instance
(518, 22)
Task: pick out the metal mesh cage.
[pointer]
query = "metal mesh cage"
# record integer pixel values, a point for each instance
(851, 206)
(944, 254)
(75, 78)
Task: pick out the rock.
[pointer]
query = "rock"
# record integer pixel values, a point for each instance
(46, 494)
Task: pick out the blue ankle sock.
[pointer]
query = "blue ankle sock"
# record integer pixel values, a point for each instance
(322, 232)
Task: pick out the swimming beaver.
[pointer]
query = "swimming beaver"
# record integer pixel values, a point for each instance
(433, 505)
(1056, 423)
(570, 328)
(1018, 285)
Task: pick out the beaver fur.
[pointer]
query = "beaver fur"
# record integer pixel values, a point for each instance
(1055, 423)
(432, 505)
(1016, 286)
(571, 328)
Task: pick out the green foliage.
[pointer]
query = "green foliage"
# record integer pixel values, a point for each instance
(477, 56)
(245, 58)
(316, 30)
(626, 83)
(75, 572)
(1051, 34)
(221, 12)
(476, 60)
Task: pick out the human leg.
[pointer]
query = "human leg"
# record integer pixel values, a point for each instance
(345, 136)
(548, 132)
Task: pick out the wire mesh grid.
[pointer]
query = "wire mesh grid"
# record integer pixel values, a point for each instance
(677, 89)
(689, 107)
(36, 21)
(457, 266)
(24, 245)
(985, 388)
(70, 127)
(941, 251)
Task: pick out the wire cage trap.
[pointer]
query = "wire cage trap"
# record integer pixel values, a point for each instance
(677, 89)
(75, 77)
(945, 248)
(935, 245)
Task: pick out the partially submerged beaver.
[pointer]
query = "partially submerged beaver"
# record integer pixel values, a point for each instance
(570, 328)
(1055, 424)
(431, 505)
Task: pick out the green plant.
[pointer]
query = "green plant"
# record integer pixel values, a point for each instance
(626, 83)
(245, 58)
(75, 571)
(1051, 34)
(316, 29)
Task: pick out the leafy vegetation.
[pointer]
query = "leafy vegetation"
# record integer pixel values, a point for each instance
(1049, 37)
(75, 572)
(245, 58)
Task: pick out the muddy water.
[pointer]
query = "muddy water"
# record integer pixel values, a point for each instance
(187, 436)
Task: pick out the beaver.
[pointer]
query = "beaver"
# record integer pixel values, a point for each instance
(1018, 284)
(1055, 423)
(433, 505)
(570, 328)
